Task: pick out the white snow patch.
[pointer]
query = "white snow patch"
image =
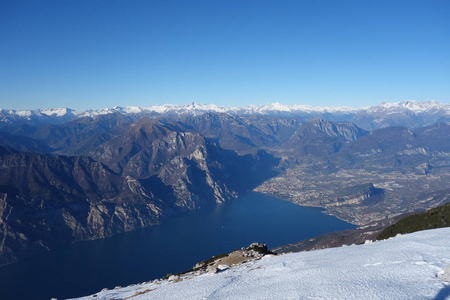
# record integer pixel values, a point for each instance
(59, 112)
(404, 267)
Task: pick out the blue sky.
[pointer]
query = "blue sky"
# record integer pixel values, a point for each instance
(101, 53)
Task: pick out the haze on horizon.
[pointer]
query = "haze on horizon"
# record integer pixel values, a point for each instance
(99, 54)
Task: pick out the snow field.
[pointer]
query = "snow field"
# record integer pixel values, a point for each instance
(404, 267)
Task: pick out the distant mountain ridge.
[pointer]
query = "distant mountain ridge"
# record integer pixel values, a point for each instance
(407, 113)
(36, 116)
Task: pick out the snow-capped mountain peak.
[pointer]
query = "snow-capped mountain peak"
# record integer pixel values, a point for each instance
(382, 115)
(58, 112)
(411, 106)
(48, 112)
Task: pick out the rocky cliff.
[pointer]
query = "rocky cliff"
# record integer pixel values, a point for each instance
(47, 200)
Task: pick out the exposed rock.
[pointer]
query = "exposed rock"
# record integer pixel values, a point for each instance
(445, 276)
(365, 194)
(173, 278)
(46, 201)
(224, 261)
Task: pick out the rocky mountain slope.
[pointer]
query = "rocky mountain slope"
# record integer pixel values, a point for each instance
(321, 138)
(243, 134)
(76, 136)
(46, 201)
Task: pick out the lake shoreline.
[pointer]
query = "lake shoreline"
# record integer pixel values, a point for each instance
(173, 246)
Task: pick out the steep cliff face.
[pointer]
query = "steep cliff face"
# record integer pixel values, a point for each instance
(148, 173)
(364, 195)
(145, 147)
(45, 201)
(188, 164)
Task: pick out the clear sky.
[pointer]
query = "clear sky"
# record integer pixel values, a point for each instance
(101, 53)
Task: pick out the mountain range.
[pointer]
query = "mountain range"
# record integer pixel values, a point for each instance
(70, 176)
(408, 113)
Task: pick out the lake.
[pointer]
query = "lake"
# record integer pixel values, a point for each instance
(176, 245)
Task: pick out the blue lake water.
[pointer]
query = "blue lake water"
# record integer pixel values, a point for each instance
(176, 245)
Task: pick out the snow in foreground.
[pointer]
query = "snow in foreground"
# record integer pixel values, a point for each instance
(404, 267)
